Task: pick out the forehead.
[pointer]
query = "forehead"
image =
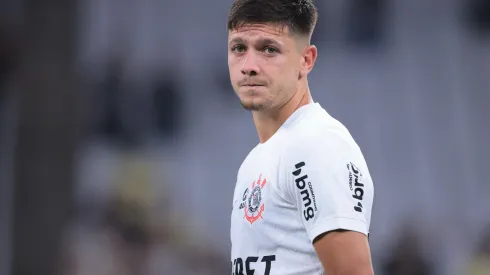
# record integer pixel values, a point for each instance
(254, 31)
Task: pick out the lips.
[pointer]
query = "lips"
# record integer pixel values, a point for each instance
(249, 83)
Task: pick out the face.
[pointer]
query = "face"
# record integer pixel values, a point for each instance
(266, 64)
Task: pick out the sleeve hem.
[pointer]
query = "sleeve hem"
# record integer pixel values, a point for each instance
(337, 223)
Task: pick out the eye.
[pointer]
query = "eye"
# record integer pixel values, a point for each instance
(238, 48)
(270, 50)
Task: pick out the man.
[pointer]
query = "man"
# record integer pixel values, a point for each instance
(303, 197)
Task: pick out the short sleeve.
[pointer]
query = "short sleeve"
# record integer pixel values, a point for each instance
(330, 185)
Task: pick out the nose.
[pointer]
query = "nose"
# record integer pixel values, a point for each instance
(250, 66)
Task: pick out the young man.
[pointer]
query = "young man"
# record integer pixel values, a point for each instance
(303, 197)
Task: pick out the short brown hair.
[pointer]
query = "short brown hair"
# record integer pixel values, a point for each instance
(299, 16)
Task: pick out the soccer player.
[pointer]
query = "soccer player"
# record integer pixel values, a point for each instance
(303, 196)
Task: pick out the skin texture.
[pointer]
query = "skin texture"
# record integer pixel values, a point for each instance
(344, 253)
(268, 68)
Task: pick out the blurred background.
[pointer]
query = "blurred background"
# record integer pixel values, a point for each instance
(121, 137)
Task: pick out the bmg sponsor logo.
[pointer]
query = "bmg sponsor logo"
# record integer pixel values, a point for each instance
(356, 185)
(306, 191)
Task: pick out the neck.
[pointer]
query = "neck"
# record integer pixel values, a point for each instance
(267, 122)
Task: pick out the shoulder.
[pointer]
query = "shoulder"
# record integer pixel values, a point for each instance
(319, 136)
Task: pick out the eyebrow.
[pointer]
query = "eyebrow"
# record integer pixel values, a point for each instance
(260, 41)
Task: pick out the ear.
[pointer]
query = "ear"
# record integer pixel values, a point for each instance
(308, 60)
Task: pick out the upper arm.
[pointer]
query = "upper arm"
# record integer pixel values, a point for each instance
(344, 252)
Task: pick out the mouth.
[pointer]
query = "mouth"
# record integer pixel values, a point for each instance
(252, 85)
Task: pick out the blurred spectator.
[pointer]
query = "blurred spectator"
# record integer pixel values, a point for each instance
(140, 233)
(407, 257)
(166, 100)
(365, 22)
(479, 16)
(130, 211)
(125, 115)
(8, 49)
(135, 113)
(480, 263)
(110, 124)
(8, 55)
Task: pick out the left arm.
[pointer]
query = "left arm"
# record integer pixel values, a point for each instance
(344, 252)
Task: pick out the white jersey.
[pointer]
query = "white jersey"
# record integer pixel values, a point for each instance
(309, 178)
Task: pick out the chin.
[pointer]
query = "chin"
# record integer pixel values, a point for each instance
(252, 107)
(255, 105)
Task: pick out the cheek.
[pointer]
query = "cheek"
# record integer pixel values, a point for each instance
(289, 74)
(290, 79)
(232, 62)
(234, 66)
(230, 66)
(232, 70)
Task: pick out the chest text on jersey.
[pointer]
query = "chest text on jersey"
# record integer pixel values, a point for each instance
(248, 266)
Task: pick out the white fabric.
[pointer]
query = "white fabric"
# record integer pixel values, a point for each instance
(307, 179)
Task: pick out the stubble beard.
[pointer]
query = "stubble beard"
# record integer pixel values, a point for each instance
(252, 107)
(255, 107)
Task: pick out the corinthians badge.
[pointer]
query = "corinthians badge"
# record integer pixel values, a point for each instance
(254, 206)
